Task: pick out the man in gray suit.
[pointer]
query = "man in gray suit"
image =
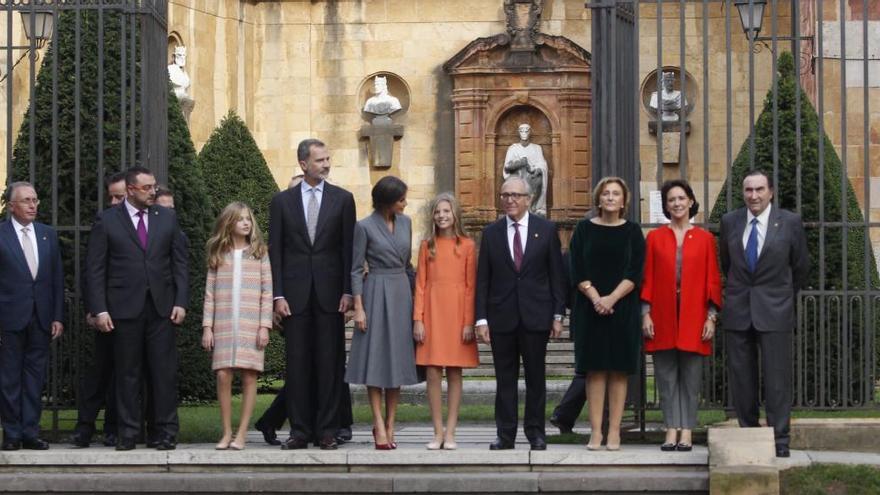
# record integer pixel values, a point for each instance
(764, 255)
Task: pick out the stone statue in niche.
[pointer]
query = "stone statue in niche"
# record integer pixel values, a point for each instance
(526, 159)
(180, 81)
(382, 102)
(669, 101)
(381, 132)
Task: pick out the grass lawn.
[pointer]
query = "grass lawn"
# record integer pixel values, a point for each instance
(830, 479)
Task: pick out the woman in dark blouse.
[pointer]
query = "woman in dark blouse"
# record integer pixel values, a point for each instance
(607, 253)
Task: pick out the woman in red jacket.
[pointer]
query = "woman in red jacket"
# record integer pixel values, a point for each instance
(681, 296)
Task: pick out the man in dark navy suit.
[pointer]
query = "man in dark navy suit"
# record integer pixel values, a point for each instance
(311, 232)
(32, 297)
(138, 287)
(520, 301)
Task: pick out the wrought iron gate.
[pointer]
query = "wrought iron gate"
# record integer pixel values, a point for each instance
(97, 104)
(796, 137)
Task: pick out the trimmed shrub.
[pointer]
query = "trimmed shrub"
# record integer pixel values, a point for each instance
(194, 212)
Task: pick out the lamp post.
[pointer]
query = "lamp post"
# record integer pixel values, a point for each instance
(42, 22)
(38, 27)
(751, 15)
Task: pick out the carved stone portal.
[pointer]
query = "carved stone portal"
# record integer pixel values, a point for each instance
(498, 85)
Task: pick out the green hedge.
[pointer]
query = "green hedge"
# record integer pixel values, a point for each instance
(195, 213)
(235, 170)
(835, 210)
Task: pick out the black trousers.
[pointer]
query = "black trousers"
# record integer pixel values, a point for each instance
(153, 338)
(97, 389)
(742, 370)
(23, 357)
(315, 340)
(572, 403)
(507, 349)
(276, 414)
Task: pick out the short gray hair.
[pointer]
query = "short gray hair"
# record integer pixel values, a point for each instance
(10, 189)
(516, 178)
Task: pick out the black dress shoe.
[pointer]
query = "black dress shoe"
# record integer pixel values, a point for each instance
(328, 443)
(684, 447)
(501, 444)
(80, 440)
(295, 443)
(782, 451)
(538, 444)
(125, 444)
(268, 432)
(167, 443)
(668, 447)
(109, 439)
(152, 443)
(34, 444)
(563, 428)
(343, 435)
(11, 444)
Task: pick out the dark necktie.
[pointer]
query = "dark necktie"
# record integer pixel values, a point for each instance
(752, 246)
(142, 229)
(517, 247)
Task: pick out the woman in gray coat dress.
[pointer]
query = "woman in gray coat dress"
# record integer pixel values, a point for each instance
(382, 350)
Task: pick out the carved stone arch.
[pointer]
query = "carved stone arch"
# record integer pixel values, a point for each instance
(490, 79)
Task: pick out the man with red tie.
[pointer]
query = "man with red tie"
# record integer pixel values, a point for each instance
(32, 295)
(520, 301)
(138, 287)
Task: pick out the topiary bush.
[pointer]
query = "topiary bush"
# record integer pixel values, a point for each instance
(195, 213)
(235, 170)
(844, 366)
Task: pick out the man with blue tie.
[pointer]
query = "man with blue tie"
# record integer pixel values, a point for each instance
(32, 296)
(138, 287)
(764, 256)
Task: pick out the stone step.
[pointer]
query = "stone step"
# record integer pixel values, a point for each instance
(593, 481)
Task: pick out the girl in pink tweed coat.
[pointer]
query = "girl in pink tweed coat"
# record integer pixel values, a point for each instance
(237, 312)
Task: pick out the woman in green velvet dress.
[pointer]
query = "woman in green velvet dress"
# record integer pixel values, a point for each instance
(607, 253)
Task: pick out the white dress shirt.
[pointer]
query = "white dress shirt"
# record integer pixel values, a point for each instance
(133, 215)
(31, 233)
(763, 220)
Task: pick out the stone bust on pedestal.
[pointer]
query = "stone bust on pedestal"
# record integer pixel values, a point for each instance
(180, 81)
(669, 102)
(526, 159)
(382, 102)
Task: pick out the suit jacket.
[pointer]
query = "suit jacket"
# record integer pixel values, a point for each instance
(21, 295)
(764, 299)
(530, 297)
(297, 264)
(120, 271)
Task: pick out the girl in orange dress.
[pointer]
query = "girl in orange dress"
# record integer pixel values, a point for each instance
(443, 312)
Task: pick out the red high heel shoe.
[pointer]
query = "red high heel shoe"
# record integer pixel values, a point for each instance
(380, 446)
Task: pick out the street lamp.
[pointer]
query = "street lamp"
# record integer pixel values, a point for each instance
(751, 15)
(43, 23)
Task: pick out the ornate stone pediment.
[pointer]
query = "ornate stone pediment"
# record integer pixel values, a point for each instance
(496, 54)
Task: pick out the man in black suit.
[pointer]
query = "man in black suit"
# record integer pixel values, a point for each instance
(764, 255)
(32, 295)
(520, 301)
(138, 287)
(311, 229)
(97, 389)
